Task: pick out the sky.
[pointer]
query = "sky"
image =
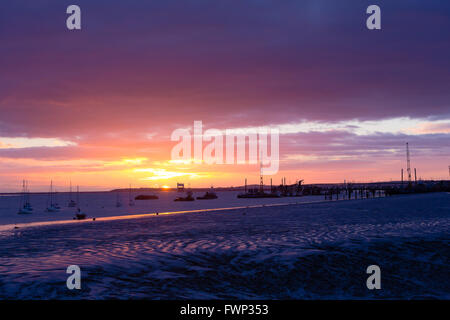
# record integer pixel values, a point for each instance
(97, 106)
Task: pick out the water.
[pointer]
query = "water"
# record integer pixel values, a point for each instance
(103, 204)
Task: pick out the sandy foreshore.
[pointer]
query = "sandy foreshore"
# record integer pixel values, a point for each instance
(305, 251)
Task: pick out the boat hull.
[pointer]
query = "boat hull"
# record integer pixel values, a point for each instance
(25, 211)
(184, 199)
(146, 197)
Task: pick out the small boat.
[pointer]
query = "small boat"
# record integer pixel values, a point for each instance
(25, 207)
(79, 215)
(209, 195)
(52, 206)
(189, 197)
(146, 197)
(71, 204)
(55, 199)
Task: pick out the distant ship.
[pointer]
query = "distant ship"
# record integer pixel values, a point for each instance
(189, 197)
(209, 195)
(146, 197)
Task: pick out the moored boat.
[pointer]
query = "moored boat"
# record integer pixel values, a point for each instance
(72, 203)
(209, 195)
(146, 197)
(26, 209)
(189, 197)
(52, 206)
(79, 215)
(25, 205)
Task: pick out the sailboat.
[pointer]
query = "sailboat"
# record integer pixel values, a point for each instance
(25, 206)
(130, 199)
(72, 204)
(56, 205)
(51, 205)
(79, 215)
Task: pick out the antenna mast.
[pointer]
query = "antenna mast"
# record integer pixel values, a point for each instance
(408, 163)
(261, 182)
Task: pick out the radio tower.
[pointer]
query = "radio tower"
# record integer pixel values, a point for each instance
(408, 163)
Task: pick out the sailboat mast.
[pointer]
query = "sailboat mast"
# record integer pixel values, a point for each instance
(51, 192)
(129, 194)
(22, 201)
(78, 200)
(26, 193)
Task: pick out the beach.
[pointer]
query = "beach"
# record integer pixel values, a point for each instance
(297, 251)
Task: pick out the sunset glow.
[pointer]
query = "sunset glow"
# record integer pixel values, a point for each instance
(344, 106)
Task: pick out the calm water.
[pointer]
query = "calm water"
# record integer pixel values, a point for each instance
(103, 204)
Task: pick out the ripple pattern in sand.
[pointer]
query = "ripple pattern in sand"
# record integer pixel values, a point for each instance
(307, 251)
